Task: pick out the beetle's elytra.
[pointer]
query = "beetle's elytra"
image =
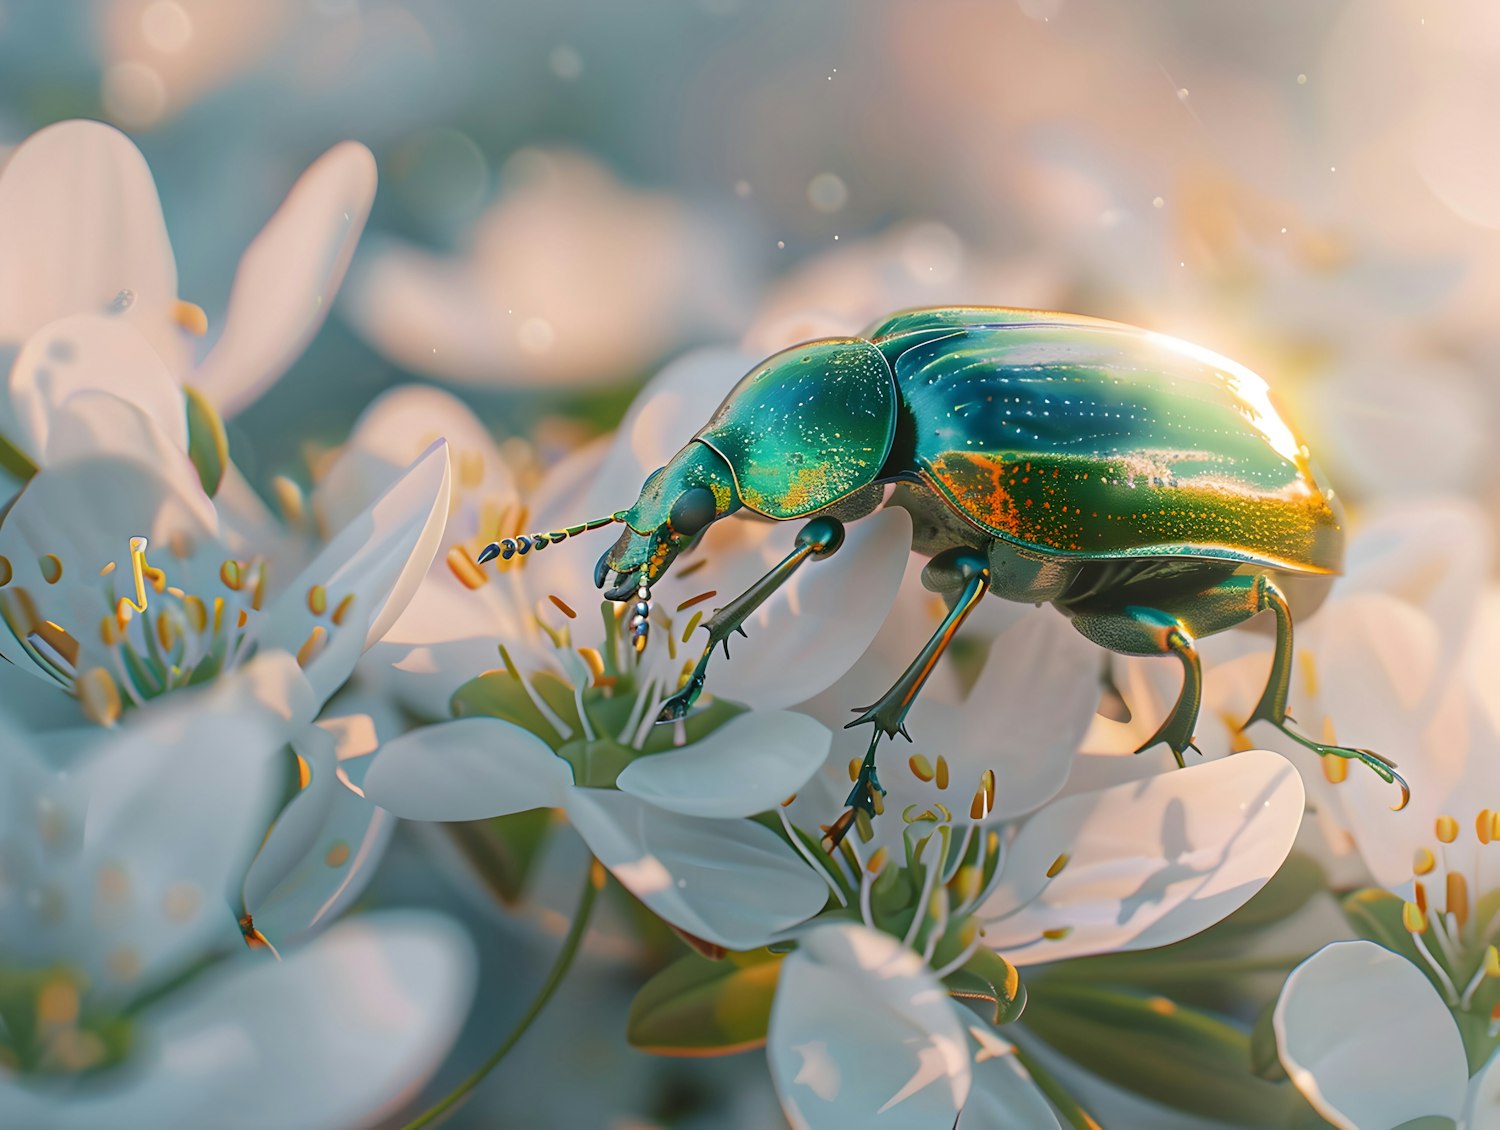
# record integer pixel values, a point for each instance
(1148, 489)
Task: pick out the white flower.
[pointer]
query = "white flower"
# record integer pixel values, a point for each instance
(862, 1024)
(569, 277)
(120, 874)
(1365, 1036)
(84, 259)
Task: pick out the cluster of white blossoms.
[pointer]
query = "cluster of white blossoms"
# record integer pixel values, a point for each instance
(213, 714)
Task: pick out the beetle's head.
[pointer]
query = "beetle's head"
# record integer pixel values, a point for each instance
(677, 503)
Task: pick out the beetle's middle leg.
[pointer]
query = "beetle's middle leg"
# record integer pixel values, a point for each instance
(963, 575)
(819, 538)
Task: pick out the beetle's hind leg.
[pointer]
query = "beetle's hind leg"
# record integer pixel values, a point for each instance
(1272, 706)
(1137, 630)
(964, 575)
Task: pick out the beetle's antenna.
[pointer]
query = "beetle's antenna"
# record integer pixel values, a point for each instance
(506, 548)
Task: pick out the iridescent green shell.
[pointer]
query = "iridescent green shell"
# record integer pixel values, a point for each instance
(1074, 436)
(806, 427)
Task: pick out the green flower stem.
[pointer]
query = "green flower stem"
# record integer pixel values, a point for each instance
(554, 978)
(1073, 1114)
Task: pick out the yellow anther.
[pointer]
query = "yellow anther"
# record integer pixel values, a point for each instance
(304, 772)
(1447, 829)
(1057, 865)
(595, 661)
(317, 600)
(1484, 825)
(258, 593)
(107, 569)
(58, 639)
(197, 612)
(6, 572)
(342, 610)
(977, 809)
(164, 633)
(1457, 897)
(98, 696)
(289, 499)
(190, 317)
(1414, 918)
(1491, 961)
(1309, 674)
(108, 631)
(1162, 1006)
(1420, 893)
(987, 782)
(854, 769)
(51, 566)
(562, 607)
(1057, 933)
(877, 801)
(232, 574)
(56, 1004)
(921, 768)
(242, 619)
(876, 862)
(1423, 862)
(464, 567)
(312, 646)
(941, 775)
(1336, 770)
(692, 626)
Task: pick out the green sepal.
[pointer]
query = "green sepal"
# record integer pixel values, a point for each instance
(208, 445)
(498, 694)
(698, 1007)
(502, 850)
(1265, 1058)
(1192, 1060)
(987, 977)
(15, 462)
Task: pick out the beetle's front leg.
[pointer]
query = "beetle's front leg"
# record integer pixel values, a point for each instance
(819, 538)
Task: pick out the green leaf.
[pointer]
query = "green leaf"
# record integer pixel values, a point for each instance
(989, 978)
(208, 445)
(1189, 1059)
(1297, 881)
(502, 849)
(699, 1007)
(1375, 914)
(1265, 1059)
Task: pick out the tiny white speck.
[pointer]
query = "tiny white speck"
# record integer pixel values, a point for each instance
(1182, 94)
(781, 245)
(1283, 231)
(1158, 202)
(1301, 80)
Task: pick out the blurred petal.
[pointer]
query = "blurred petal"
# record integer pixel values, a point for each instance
(324, 848)
(336, 1035)
(1483, 1108)
(288, 276)
(1004, 1096)
(1364, 1035)
(468, 769)
(731, 882)
(91, 353)
(378, 560)
(749, 765)
(1146, 863)
(81, 231)
(862, 1034)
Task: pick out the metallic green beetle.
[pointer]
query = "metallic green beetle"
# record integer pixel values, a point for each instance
(1147, 488)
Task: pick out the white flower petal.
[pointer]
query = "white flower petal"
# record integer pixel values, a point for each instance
(394, 430)
(81, 231)
(731, 882)
(468, 769)
(323, 849)
(1482, 1111)
(1365, 1037)
(862, 1034)
(1148, 863)
(288, 277)
(751, 764)
(1004, 1096)
(336, 1035)
(379, 559)
(90, 353)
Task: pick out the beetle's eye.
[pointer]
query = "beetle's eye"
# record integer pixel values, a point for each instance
(692, 511)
